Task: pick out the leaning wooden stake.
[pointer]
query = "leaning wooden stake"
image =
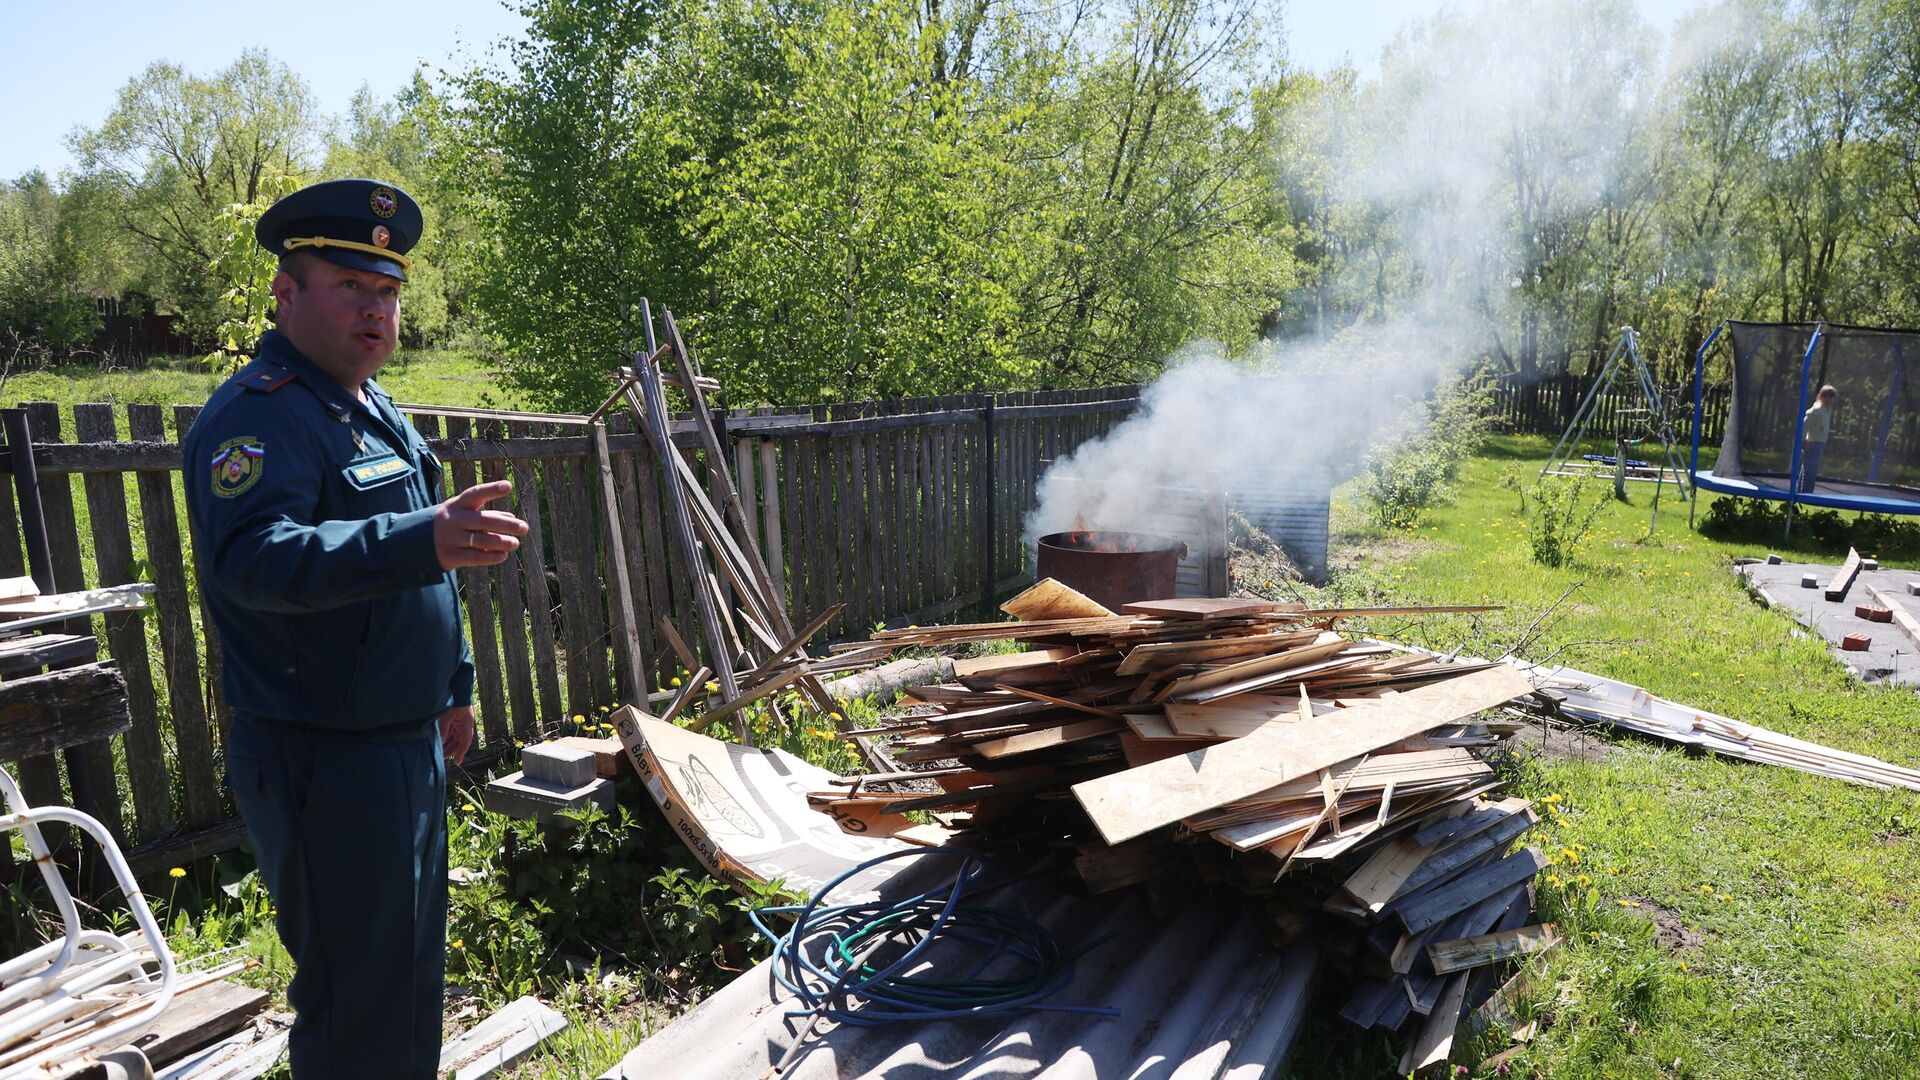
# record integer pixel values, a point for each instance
(637, 665)
(651, 404)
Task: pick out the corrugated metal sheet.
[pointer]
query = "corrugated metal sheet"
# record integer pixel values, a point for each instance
(1200, 994)
(1290, 505)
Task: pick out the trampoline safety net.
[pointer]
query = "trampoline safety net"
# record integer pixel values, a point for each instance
(1874, 444)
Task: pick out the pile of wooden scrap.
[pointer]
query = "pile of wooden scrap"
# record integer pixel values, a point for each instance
(1240, 740)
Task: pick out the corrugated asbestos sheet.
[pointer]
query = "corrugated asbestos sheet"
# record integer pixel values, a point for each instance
(1200, 994)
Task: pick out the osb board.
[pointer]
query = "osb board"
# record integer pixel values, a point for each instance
(743, 812)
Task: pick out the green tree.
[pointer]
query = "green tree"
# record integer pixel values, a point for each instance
(178, 150)
(43, 310)
(395, 141)
(857, 247)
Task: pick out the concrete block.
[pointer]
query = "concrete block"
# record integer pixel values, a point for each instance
(560, 766)
(609, 757)
(1869, 564)
(1913, 588)
(1856, 643)
(1873, 612)
(1774, 560)
(1809, 581)
(516, 796)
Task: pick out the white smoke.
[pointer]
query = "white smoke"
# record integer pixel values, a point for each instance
(1486, 140)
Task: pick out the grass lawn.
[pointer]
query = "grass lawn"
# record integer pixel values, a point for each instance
(1722, 919)
(427, 377)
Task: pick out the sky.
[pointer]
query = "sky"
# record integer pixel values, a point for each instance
(54, 80)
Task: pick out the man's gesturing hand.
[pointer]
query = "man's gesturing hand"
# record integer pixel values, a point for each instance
(466, 535)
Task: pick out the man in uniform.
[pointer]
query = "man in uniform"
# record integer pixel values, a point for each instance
(325, 553)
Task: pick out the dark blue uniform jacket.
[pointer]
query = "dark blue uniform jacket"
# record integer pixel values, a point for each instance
(312, 518)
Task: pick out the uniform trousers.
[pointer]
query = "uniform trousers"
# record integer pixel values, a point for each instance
(350, 833)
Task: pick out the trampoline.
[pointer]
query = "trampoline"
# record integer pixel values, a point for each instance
(1872, 455)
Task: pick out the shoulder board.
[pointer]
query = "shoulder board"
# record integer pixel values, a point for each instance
(265, 378)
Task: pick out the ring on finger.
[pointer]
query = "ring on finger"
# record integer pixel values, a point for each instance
(470, 540)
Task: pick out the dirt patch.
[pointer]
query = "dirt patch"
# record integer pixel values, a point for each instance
(1563, 743)
(1670, 931)
(1347, 553)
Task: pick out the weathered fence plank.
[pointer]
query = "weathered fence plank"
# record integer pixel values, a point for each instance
(126, 634)
(476, 592)
(534, 561)
(93, 760)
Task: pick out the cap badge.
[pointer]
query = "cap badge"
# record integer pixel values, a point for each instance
(384, 202)
(381, 236)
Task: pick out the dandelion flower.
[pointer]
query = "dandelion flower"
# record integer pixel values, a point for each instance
(466, 806)
(1628, 903)
(177, 872)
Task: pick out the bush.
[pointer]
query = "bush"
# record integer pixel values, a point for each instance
(1760, 521)
(618, 885)
(1406, 475)
(1562, 518)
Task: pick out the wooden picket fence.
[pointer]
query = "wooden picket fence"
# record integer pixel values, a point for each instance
(907, 511)
(1546, 407)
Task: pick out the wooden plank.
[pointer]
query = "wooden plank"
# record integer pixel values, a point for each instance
(187, 692)
(1129, 803)
(515, 662)
(634, 543)
(746, 467)
(198, 1018)
(1460, 953)
(595, 573)
(912, 523)
(662, 564)
(27, 654)
(528, 484)
(1325, 647)
(126, 635)
(1049, 599)
(213, 691)
(626, 620)
(736, 514)
(569, 561)
(69, 707)
(776, 544)
(146, 755)
(1471, 889)
(179, 646)
(1206, 607)
(654, 414)
(1842, 579)
(1434, 1043)
(1047, 738)
(476, 589)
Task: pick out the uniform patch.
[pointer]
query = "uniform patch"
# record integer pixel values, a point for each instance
(383, 202)
(238, 465)
(369, 474)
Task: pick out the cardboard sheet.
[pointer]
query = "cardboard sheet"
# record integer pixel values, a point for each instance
(744, 811)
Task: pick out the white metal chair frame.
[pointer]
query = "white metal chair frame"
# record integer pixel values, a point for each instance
(86, 989)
